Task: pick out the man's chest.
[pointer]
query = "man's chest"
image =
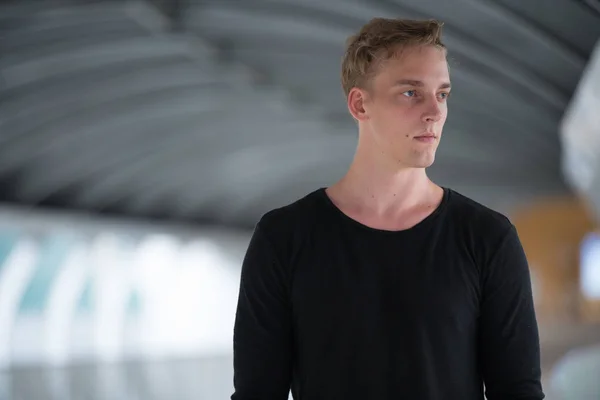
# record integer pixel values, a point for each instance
(344, 285)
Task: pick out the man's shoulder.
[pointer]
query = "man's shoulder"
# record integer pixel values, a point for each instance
(476, 216)
(480, 228)
(291, 216)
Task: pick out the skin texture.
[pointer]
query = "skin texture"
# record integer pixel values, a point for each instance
(386, 186)
(393, 111)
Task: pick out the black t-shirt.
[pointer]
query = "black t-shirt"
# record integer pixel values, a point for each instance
(334, 309)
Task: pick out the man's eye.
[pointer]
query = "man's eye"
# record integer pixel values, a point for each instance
(410, 93)
(444, 95)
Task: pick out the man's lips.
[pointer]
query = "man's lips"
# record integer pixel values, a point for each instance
(426, 138)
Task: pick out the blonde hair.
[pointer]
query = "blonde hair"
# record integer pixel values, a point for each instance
(379, 40)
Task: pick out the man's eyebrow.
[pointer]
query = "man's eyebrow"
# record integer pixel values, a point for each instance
(409, 82)
(412, 82)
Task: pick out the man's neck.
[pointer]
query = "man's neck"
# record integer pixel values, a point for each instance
(383, 191)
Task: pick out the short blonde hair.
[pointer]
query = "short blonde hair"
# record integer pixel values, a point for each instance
(379, 40)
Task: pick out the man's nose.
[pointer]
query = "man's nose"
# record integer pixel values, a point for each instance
(433, 111)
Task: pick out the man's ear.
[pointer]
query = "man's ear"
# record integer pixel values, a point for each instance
(356, 103)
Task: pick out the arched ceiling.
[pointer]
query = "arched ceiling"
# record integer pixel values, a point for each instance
(217, 111)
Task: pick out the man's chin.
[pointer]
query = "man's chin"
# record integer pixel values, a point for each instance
(425, 161)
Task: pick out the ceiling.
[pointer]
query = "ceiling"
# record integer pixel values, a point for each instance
(217, 111)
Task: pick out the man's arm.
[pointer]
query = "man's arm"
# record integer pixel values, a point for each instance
(262, 342)
(509, 338)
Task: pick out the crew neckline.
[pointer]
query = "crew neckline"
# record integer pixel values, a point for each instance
(347, 219)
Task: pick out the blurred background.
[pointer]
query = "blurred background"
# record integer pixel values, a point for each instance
(141, 140)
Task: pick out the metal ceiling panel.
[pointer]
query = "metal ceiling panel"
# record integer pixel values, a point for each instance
(104, 107)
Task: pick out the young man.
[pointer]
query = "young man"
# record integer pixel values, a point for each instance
(386, 285)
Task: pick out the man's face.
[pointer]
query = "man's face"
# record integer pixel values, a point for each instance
(405, 106)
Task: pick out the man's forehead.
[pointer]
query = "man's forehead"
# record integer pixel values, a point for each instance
(441, 83)
(428, 76)
(426, 71)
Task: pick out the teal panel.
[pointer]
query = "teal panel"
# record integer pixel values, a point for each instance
(8, 240)
(52, 254)
(85, 303)
(134, 304)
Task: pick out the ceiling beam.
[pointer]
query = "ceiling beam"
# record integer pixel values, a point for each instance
(305, 19)
(94, 59)
(476, 14)
(18, 150)
(47, 176)
(29, 109)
